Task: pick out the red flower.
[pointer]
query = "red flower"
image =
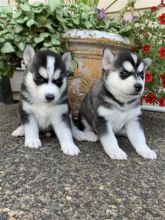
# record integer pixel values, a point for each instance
(146, 48)
(161, 52)
(148, 76)
(163, 79)
(163, 2)
(161, 101)
(150, 98)
(162, 18)
(154, 8)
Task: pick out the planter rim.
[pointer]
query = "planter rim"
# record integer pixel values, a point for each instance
(154, 108)
(90, 34)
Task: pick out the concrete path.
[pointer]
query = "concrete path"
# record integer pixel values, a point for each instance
(48, 185)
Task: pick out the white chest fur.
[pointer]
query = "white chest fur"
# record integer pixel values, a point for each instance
(45, 113)
(118, 118)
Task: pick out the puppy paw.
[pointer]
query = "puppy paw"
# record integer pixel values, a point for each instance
(91, 136)
(117, 154)
(18, 132)
(147, 153)
(71, 149)
(85, 136)
(33, 143)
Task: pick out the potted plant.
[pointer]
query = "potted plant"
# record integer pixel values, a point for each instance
(49, 25)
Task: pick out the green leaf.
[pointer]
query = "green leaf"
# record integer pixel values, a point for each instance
(39, 9)
(61, 19)
(55, 41)
(53, 49)
(47, 44)
(3, 32)
(2, 40)
(38, 39)
(44, 34)
(2, 65)
(21, 46)
(76, 20)
(22, 20)
(53, 4)
(9, 36)
(17, 14)
(18, 28)
(5, 71)
(25, 7)
(17, 39)
(84, 15)
(88, 24)
(49, 27)
(8, 71)
(7, 48)
(5, 10)
(19, 54)
(125, 29)
(30, 22)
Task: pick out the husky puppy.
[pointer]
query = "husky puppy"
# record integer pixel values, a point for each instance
(112, 106)
(44, 101)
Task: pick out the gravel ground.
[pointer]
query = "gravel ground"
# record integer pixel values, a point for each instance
(48, 185)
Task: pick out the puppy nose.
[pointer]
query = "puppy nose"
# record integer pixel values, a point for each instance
(49, 97)
(138, 87)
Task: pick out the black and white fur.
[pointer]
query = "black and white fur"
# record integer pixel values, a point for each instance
(112, 106)
(44, 101)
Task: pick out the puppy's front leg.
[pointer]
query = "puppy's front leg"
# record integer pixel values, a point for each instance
(61, 126)
(108, 140)
(31, 133)
(136, 136)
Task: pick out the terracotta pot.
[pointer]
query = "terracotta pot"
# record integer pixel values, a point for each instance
(87, 47)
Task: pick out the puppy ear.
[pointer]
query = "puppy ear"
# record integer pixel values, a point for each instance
(147, 62)
(107, 59)
(28, 54)
(67, 59)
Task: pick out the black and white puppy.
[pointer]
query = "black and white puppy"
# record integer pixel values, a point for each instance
(44, 101)
(112, 106)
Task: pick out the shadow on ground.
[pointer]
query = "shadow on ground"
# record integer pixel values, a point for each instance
(45, 184)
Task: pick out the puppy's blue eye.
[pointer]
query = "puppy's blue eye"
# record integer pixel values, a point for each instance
(124, 74)
(141, 74)
(39, 79)
(57, 82)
